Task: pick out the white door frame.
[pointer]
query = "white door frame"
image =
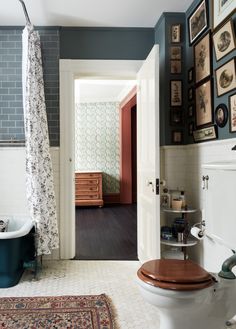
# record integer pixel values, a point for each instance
(69, 71)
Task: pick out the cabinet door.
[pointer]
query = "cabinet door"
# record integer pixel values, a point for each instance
(219, 206)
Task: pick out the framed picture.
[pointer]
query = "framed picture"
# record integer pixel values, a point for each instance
(175, 33)
(226, 77)
(224, 40)
(203, 104)
(176, 93)
(221, 10)
(197, 21)
(176, 117)
(190, 94)
(190, 111)
(175, 67)
(190, 75)
(190, 128)
(205, 134)
(221, 115)
(232, 113)
(175, 52)
(177, 137)
(202, 58)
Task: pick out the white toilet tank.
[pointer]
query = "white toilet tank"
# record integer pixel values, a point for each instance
(220, 202)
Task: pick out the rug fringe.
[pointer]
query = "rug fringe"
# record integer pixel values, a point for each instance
(113, 312)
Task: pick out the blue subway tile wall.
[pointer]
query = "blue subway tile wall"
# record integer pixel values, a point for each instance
(11, 108)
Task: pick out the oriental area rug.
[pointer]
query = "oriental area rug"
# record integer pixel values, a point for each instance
(59, 312)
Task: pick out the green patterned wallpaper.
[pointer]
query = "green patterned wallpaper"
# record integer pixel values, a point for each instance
(97, 145)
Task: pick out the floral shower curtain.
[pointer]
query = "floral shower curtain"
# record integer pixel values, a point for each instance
(39, 175)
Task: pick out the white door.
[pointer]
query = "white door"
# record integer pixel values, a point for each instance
(148, 158)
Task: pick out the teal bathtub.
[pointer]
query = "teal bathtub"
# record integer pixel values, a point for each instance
(16, 247)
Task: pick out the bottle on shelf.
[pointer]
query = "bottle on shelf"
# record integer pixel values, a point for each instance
(182, 198)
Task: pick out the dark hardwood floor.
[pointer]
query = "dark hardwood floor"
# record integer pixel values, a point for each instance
(108, 233)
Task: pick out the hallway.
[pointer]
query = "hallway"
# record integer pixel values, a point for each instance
(108, 233)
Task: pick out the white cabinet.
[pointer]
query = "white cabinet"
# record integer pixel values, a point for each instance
(219, 185)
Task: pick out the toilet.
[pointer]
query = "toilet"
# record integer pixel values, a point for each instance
(185, 294)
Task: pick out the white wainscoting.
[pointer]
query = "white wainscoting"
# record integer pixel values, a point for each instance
(181, 168)
(12, 182)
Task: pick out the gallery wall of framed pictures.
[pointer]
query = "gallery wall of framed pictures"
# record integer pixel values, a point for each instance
(211, 28)
(176, 103)
(199, 75)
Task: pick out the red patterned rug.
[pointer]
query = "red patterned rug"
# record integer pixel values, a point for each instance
(64, 312)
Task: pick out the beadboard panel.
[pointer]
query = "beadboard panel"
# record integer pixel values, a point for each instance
(182, 168)
(12, 177)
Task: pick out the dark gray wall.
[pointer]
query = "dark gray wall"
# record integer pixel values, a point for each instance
(106, 43)
(98, 43)
(11, 110)
(163, 38)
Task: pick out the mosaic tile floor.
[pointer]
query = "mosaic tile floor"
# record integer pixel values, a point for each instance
(115, 278)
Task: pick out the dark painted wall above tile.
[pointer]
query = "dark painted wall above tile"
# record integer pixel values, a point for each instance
(163, 38)
(106, 43)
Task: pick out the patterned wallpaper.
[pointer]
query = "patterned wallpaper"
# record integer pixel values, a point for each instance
(97, 145)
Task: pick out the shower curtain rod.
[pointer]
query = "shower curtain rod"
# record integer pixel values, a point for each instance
(25, 12)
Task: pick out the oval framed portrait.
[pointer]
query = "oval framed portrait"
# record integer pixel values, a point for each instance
(221, 115)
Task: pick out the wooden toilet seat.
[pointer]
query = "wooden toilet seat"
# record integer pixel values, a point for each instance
(172, 274)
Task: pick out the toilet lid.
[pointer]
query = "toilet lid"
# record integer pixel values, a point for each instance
(175, 274)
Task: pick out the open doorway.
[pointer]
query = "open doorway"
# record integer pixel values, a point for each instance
(105, 153)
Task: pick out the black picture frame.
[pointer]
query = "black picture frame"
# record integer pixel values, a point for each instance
(204, 104)
(175, 33)
(177, 136)
(191, 110)
(190, 94)
(190, 128)
(221, 115)
(176, 52)
(226, 82)
(176, 117)
(176, 93)
(198, 21)
(191, 75)
(175, 66)
(205, 134)
(202, 58)
(224, 40)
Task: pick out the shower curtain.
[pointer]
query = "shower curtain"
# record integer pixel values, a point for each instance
(39, 175)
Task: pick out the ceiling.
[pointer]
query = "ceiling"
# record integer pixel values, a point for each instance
(99, 13)
(102, 90)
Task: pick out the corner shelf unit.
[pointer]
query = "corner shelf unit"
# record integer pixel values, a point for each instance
(186, 242)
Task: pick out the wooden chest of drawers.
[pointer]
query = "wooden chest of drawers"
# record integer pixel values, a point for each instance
(88, 189)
